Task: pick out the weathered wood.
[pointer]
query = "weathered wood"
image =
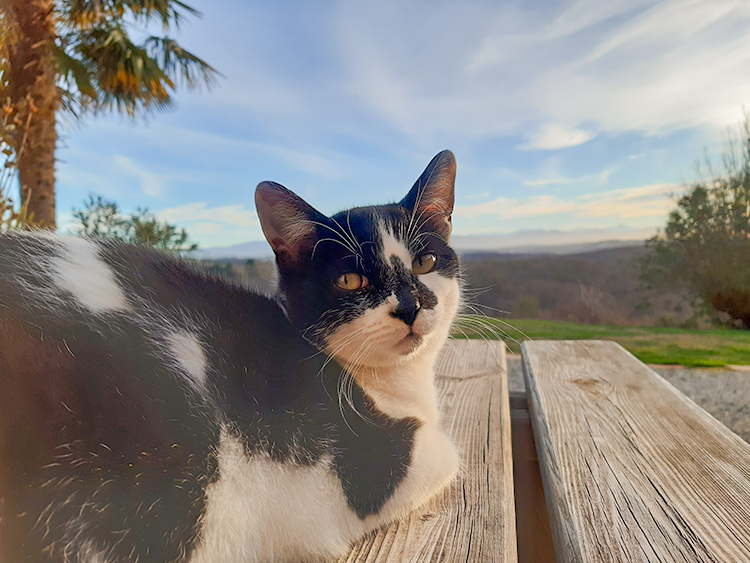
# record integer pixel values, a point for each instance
(474, 519)
(633, 470)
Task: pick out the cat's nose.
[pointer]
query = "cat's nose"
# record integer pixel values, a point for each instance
(407, 309)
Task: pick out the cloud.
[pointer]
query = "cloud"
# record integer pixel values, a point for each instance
(647, 66)
(555, 136)
(630, 203)
(214, 226)
(235, 215)
(558, 180)
(151, 185)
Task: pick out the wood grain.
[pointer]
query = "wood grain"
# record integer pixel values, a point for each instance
(474, 519)
(633, 470)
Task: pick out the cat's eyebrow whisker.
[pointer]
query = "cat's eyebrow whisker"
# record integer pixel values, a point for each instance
(332, 240)
(351, 239)
(345, 242)
(349, 225)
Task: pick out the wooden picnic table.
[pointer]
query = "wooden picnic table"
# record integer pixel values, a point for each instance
(620, 466)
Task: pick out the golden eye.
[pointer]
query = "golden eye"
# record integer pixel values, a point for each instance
(424, 264)
(351, 281)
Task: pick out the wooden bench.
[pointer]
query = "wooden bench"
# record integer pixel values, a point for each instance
(628, 468)
(632, 469)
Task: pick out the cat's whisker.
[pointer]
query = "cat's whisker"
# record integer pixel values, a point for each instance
(315, 247)
(345, 242)
(497, 320)
(481, 326)
(351, 233)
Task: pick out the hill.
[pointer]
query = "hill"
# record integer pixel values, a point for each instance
(590, 287)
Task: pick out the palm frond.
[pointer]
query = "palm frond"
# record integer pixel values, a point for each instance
(73, 71)
(127, 77)
(80, 14)
(104, 68)
(179, 64)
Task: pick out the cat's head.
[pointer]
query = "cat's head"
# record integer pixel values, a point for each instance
(371, 286)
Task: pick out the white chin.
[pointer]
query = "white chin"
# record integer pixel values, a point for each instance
(410, 343)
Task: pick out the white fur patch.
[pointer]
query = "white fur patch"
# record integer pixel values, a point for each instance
(78, 270)
(187, 352)
(394, 247)
(260, 510)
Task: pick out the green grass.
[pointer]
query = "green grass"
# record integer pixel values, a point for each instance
(704, 348)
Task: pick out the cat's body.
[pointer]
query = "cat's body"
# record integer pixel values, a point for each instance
(149, 412)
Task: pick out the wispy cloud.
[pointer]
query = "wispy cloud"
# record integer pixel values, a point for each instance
(645, 201)
(556, 136)
(558, 180)
(644, 66)
(235, 215)
(214, 225)
(152, 185)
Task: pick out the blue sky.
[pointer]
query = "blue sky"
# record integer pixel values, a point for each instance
(564, 115)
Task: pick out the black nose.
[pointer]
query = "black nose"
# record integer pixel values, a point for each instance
(408, 307)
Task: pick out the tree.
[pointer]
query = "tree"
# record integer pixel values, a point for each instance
(78, 57)
(102, 218)
(705, 246)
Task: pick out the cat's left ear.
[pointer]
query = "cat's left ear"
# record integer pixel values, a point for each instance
(431, 197)
(288, 221)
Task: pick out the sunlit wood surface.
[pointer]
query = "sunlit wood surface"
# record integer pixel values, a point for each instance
(632, 469)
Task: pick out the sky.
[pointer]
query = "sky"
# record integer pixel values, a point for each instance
(569, 115)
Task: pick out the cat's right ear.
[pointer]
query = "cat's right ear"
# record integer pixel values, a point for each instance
(288, 221)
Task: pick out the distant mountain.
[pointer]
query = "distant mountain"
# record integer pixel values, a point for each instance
(543, 241)
(561, 249)
(521, 242)
(257, 249)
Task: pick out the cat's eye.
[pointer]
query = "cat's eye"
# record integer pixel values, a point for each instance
(351, 281)
(424, 264)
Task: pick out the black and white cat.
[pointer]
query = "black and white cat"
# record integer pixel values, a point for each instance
(149, 412)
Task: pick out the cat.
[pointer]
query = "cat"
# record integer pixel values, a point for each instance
(151, 412)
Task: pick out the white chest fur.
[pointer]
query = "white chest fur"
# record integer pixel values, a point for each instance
(261, 510)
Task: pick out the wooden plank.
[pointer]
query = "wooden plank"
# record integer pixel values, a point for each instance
(474, 519)
(633, 470)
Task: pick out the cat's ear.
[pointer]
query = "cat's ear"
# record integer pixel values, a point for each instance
(287, 220)
(431, 198)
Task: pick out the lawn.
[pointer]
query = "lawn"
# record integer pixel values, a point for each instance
(706, 348)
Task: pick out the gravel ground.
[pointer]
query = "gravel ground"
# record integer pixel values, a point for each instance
(723, 393)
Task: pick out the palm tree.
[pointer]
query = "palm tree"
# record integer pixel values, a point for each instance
(77, 57)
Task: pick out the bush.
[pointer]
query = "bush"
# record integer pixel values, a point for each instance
(102, 218)
(705, 246)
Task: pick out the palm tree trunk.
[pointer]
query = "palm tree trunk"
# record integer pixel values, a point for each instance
(35, 99)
